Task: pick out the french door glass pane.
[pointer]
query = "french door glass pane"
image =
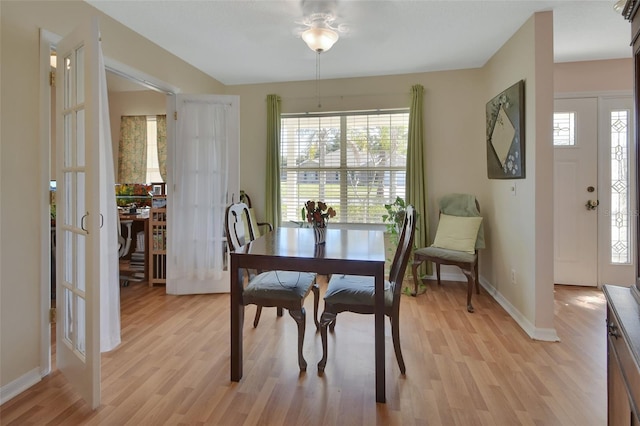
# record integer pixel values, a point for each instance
(81, 343)
(80, 263)
(67, 82)
(68, 260)
(68, 137)
(79, 199)
(68, 316)
(80, 75)
(80, 138)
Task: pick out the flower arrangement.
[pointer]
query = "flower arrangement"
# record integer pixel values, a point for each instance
(317, 214)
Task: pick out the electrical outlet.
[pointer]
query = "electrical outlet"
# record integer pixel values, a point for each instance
(513, 276)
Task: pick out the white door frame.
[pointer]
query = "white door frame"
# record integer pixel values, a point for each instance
(601, 153)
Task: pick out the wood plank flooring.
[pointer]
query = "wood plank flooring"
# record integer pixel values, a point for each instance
(172, 367)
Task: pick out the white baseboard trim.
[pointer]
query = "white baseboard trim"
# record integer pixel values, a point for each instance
(544, 334)
(19, 385)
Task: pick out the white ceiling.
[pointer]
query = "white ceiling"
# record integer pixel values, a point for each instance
(258, 41)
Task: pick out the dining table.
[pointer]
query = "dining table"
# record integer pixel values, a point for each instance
(345, 251)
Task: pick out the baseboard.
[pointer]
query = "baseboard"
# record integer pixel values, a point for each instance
(19, 385)
(544, 334)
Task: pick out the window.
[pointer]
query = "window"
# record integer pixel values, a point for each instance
(153, 165)
(353, 161)
(620, 232)
(564, 128)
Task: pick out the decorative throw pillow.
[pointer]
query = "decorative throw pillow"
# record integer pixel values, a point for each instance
(457, 233)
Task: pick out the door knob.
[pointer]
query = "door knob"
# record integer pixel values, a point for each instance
(592, 204)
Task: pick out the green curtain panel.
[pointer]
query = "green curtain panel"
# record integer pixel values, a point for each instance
(416, 170)
(272, 193)
(132, 152)
(161, 121)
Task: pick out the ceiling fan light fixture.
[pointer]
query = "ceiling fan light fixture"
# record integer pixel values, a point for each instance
(320, 39)
(619, 5)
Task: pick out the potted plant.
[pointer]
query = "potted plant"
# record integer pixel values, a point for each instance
(394, 219)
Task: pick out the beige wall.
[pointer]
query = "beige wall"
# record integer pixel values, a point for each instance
(521, 226)
(22, 217)
(593, 76)
(454, 127)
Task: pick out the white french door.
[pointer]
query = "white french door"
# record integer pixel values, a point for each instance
(78, 219)
(203, 137)
(593, 191)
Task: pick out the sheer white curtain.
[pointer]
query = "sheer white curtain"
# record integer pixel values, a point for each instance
(109, 280)
(198, 197)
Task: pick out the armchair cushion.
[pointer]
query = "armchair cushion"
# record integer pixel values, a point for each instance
(447, 255)
(457, 233)
(355, 290)
(281, 285)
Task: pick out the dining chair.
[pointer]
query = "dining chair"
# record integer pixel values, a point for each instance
(355, 293)
(280, 289)
(458, 238)
(256, 226)
(124, 246)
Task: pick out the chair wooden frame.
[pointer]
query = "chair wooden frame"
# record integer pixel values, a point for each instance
(234, 225)
(396, 276)
(469, 269)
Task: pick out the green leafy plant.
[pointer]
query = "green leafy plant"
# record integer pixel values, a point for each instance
(394, 217)
(52, 214)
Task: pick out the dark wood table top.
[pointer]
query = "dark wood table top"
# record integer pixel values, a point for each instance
(341, 244)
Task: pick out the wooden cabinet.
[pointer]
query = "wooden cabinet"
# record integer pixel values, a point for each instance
(158, 240)
(623, 304)
(623, 349)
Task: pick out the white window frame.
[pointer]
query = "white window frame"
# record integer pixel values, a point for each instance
(372, 205)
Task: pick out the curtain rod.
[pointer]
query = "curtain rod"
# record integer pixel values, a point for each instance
(345, 96)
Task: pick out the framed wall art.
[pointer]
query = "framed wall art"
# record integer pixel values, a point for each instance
(505, 134)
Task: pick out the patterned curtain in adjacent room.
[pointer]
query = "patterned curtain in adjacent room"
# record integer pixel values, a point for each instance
(161, 121)
(132, 152)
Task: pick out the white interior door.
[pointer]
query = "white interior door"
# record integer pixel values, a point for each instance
(78, 220)
(203, 178)
(575, 184)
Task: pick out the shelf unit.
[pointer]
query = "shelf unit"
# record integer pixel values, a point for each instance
(158, 237)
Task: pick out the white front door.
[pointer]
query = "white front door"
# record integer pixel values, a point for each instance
(575, 178)
(78, 219)
(593, 232)
(203, 176)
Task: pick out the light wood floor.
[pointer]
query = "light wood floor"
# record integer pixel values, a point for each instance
(462, 369)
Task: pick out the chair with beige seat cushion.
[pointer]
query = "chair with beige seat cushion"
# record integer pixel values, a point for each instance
(280, 289)
(353, 293)
(458, 238)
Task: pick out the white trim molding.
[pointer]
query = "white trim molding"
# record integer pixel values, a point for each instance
(543, 334)
(19, 385)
